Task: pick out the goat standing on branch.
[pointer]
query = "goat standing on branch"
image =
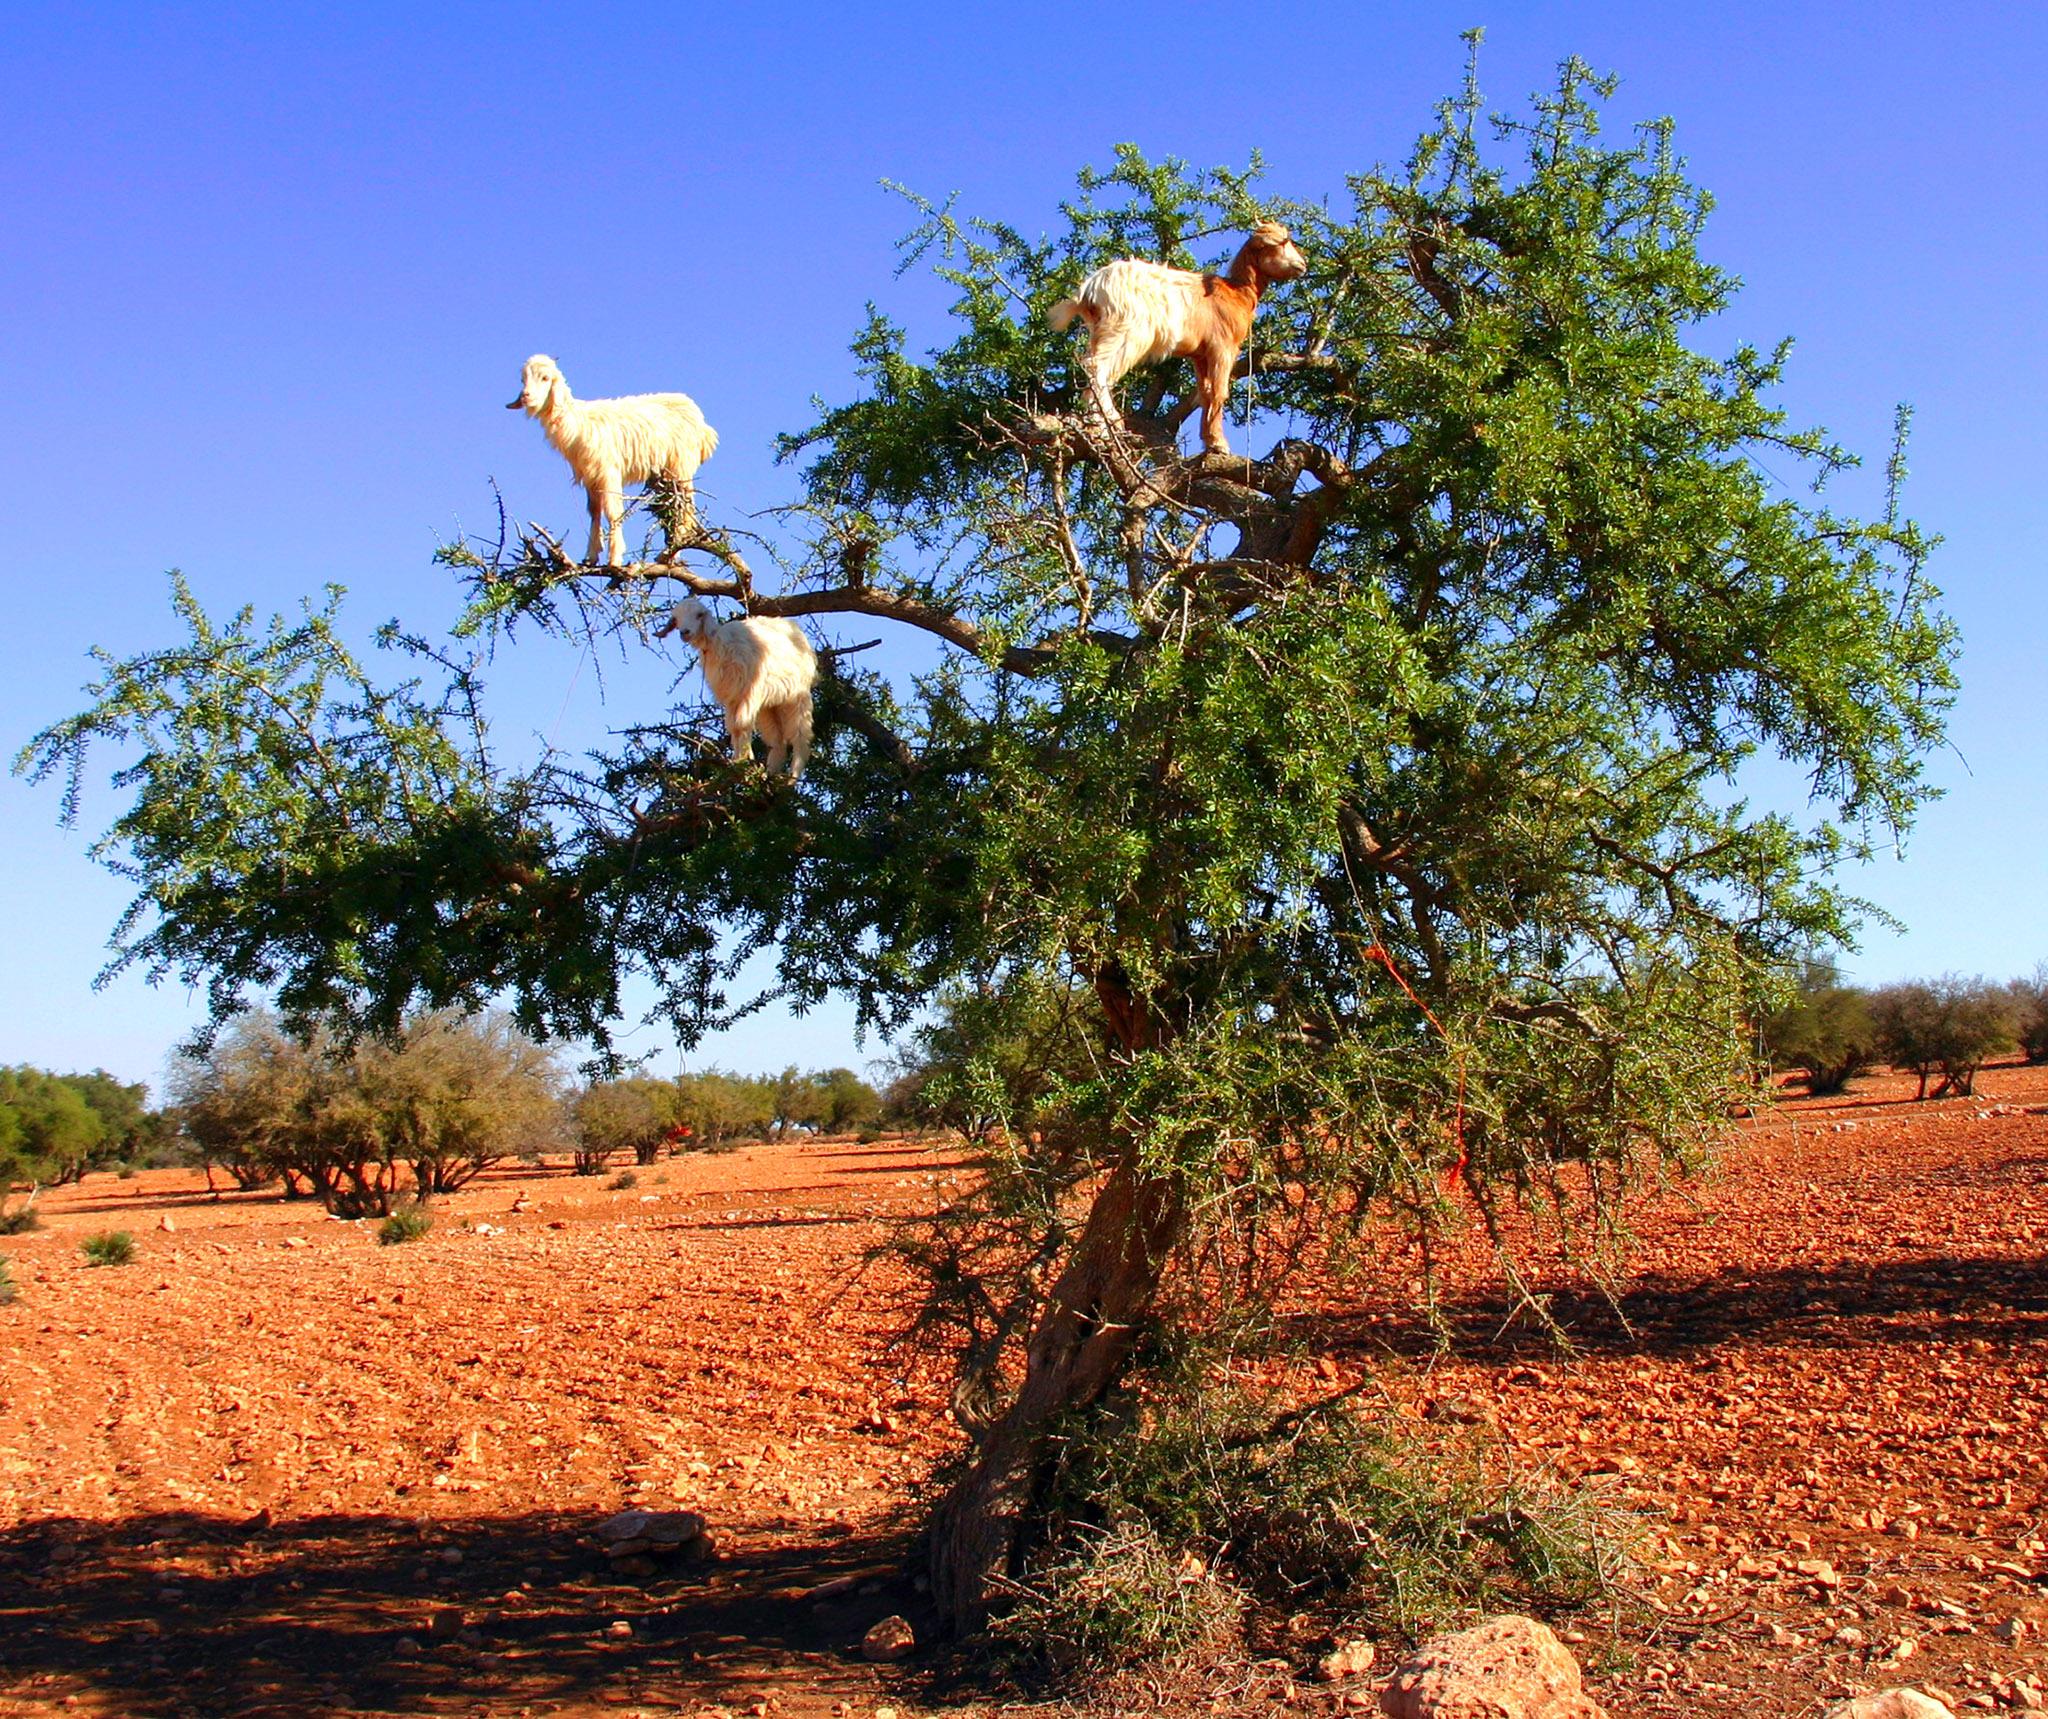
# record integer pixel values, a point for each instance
(761, 669)
(638, 438)
(1139, 312)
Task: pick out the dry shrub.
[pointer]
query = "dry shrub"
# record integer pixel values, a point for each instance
(1112, 1596)
(1176, 1509)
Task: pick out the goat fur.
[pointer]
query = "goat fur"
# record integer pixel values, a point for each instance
(761, 669)
(611, 443)
(1139, 312)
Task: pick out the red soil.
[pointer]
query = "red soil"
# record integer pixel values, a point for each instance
(272, 1467)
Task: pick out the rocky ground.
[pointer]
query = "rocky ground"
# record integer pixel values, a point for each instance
(272, 1467)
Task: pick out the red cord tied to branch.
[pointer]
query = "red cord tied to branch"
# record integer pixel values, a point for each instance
(1378, 952)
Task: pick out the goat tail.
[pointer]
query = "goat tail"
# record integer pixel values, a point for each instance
(1062, 315)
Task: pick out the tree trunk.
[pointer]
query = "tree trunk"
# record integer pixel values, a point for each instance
(1085, 1335)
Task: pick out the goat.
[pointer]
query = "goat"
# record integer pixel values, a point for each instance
(1138, 312)
(761, 670)
(611, 443)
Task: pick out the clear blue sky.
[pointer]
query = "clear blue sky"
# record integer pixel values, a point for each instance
(270, 273)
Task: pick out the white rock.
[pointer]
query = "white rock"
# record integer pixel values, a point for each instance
(1890, 1704)
(1501, 1668)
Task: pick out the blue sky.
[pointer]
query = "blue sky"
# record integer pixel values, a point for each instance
(271, 272)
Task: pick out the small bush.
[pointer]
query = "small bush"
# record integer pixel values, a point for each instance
(1385, 1522)
(623, 1180)
(1113, 1596)
(125, 1172)
(406, 1224)
(109, 1247)
(8, 1292)
(20, 1221)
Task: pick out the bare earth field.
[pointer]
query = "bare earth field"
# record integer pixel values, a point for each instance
(273, 1468)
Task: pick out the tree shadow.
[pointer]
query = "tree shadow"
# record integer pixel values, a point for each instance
(182, 1614)
(1835, 1304)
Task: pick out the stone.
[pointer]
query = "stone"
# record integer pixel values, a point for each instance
(167, 1224)
(1891, 1704)
(635, 1533)
(1501, 1668)
(1348, 1659)
(890, 1640)
(619, 1629)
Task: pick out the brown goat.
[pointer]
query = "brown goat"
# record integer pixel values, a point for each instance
(1139, 312)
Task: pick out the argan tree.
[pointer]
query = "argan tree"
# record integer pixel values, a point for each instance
(1823, 1029)
(1951, 1026)
(442, 1100)
(1369, 796)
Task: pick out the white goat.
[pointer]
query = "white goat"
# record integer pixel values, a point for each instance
(761, 669)
(611, 443)
(1139, 312)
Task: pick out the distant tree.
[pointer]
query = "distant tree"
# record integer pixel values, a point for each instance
(1949, 1025)
(721, 1108)
(133, 1129)
(843, 1101)
(2030, 1013)
(57, 1135)
(352, 1122)
(614, 1116)
(231, 1101)
(797, 1101)
(457, 1094)
(1824, 1029)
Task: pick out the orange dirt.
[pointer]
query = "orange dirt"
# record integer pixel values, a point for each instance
(272, 1467)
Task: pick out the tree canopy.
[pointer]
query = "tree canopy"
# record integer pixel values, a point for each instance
(1371, 803)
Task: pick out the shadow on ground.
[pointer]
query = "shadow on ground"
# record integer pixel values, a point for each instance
(177, 1614)
(2001, 1300)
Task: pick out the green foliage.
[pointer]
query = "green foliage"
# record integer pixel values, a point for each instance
(721, 1109)
(826, 1101)
(612, 1116)
(1949, 1025)
(20, 1221)
(9, 1291)
(845, 1102)
(2029, 999)
(449, 1099)
(109, 1247)
(1824, 1029)
(1397, 1525)
(406, 1223)
(1111, 1596)
(49, 1130)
